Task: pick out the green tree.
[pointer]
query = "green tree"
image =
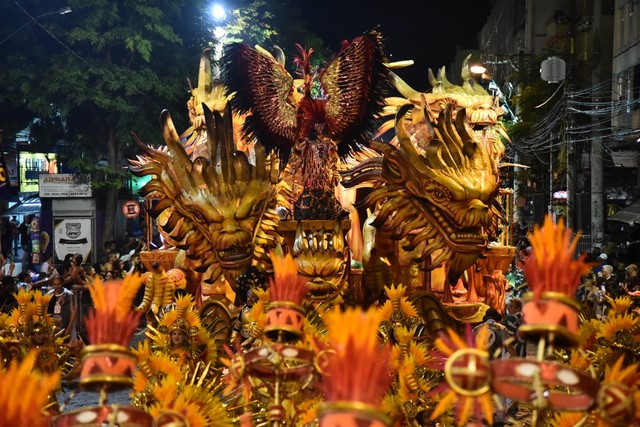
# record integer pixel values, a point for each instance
(270, 24)
(107, 69)
(85, 80)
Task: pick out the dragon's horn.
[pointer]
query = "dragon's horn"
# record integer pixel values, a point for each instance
(204, 73)
(403, 137)
(279, 55)
(172, 139)
(436, 82)
(402, 86)
(465, 72)
(442, 78)
(227, 148)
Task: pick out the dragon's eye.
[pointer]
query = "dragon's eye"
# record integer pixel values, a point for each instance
(198, 216)
(439, 194)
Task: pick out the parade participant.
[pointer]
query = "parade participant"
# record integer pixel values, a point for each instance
(62, 306)
(32, 327)
(181, 336)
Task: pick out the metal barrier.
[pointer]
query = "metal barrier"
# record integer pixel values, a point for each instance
(585, 244)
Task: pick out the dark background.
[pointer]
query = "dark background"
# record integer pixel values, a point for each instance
(426, 31)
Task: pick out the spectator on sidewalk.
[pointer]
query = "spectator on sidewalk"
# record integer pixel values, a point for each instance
(25, 241)
(517, 347)
(631, 284)
(62, 307)
(47, 262)
(6, 267)
(24, 280)
(632, 280)
(16, 234)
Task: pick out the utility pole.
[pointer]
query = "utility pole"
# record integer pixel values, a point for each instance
(571, 168)
(551, 174)
(597, 181)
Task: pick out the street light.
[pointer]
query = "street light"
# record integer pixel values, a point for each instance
(477, 68)
(61, 11)
(218, 12)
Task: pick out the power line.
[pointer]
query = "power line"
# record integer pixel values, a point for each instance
(35, 20)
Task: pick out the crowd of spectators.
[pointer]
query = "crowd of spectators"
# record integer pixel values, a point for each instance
(67, 280)
(612, 275)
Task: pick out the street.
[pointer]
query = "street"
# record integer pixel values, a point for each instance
(74, 398)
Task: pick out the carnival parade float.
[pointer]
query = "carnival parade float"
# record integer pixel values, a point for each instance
(258, 313)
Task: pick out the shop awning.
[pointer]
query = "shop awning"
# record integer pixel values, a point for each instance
(629, 214)
(29, 206)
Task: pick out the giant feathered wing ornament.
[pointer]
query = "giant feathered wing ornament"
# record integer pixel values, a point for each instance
(314, 120)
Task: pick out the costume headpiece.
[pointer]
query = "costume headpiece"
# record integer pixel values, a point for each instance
(553, 276)
(182, 317)
(31, 314)
(398, 312)
(108, 362)
(357, 375)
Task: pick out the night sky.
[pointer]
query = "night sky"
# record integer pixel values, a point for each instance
(426, 31)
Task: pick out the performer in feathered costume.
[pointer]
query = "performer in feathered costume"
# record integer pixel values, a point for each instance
(313, 121)
(181, 335)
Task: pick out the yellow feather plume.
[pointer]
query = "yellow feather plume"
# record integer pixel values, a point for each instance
(24, 392)
(614, 323)
(23, 297)
(444, 404)
(486, 406)
(465, 410)
(620, 305)
(197, 406)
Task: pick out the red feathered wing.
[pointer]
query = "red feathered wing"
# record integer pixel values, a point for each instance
(356, 82)
(354, 85)
(263, 88)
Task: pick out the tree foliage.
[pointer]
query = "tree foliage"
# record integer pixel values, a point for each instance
(269, 24)
(90, 77)
(83, 81)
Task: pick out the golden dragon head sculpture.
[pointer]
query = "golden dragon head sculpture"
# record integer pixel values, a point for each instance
(483, 112)
(220, 209)
(437, 186)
